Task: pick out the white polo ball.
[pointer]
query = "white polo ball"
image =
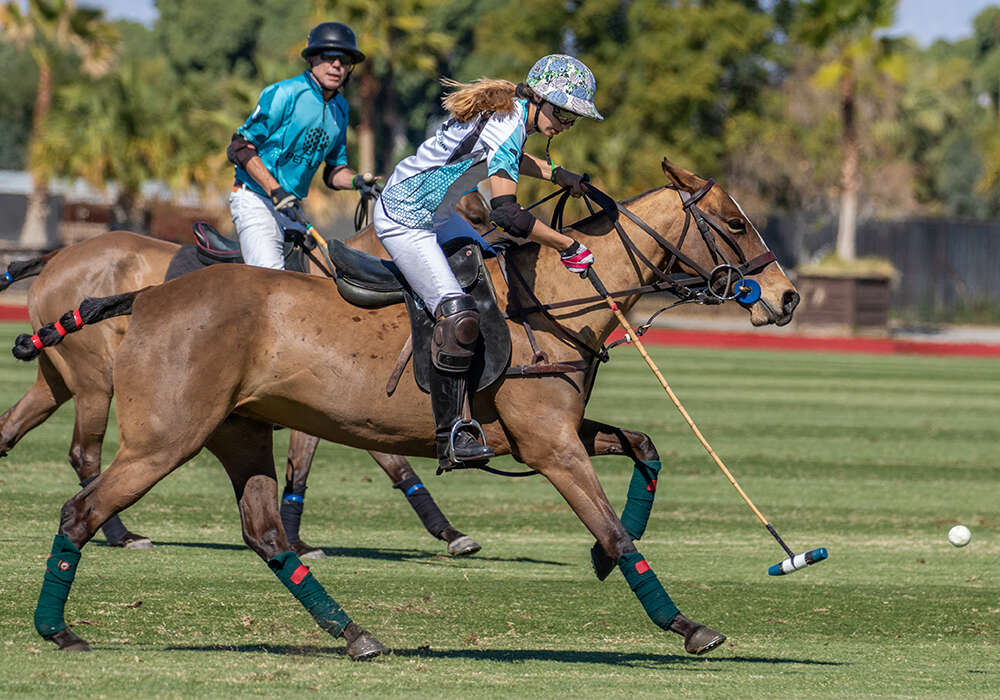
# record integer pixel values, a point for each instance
(959, 535)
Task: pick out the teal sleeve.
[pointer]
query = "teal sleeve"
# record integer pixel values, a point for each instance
(338, 154)
(266, 117)
(506, 159)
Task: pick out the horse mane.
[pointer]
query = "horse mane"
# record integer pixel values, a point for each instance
(469, 100)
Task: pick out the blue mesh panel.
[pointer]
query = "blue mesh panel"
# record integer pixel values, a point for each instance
(413, 201)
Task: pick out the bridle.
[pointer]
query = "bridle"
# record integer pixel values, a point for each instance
(715, 285)
(725, 281)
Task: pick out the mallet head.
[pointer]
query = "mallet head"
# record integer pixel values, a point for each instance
(799, 561)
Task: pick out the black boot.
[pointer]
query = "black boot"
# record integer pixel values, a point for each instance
(466, 448)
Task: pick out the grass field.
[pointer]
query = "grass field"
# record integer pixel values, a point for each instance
(872, 457)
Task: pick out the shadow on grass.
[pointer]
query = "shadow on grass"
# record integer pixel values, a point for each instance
(563, 656)
(370, 553)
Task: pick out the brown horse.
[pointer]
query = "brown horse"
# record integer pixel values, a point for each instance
(229, 367)
(80, 369)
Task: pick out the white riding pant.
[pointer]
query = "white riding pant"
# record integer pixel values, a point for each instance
(419, 257)
(260, 228)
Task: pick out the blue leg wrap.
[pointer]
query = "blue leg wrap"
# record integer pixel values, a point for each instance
(292, 503)
(308, 591)
(641, 492)
(60, 570)
(648, 589)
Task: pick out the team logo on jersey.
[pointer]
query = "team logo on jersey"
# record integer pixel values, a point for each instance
(316, 141)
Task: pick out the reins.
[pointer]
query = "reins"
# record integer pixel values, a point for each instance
(703, 288)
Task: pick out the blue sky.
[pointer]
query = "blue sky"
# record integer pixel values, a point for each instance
(926, 20)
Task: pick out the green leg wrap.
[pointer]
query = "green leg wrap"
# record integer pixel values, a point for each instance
(308, 591)
(641, 492)
(647, 589)
(60, 569)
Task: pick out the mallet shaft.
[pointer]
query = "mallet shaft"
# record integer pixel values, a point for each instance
(322, 246)
(673, 397)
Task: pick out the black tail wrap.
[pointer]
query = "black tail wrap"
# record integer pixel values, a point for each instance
(20, 269)
(28, 347)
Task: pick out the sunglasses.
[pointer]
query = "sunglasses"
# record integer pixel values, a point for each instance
(332, 56)
(564, 116)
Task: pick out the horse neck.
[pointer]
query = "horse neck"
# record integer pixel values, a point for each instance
(661, 210)
(367, 242)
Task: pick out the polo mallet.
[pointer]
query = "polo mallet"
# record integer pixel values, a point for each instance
(794, 562)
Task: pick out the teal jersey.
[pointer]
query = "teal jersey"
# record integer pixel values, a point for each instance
(294, 131)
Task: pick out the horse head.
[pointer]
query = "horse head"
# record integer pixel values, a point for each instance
(729, 238)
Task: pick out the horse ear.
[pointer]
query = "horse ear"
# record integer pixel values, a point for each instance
(687, 181)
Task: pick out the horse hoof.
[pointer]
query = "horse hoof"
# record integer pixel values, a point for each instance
(702, 640)
(365, 648)
(463, 546)
(306, 551)
(134, 541)
(67, 641)
(603, 564)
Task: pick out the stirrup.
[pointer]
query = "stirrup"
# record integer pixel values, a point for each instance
(452, 461)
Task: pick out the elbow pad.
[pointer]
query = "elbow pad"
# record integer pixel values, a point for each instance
(507, 214)
(240, 151)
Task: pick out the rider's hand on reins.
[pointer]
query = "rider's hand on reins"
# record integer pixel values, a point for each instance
(288, 204)
(577, 258)
(574, 182)
(367, 184)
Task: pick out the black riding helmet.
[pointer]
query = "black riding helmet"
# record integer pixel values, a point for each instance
(333, 36)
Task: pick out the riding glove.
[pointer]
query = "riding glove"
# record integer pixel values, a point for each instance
(577, 258)
(570, 180)
(288, 204)
(367, 184)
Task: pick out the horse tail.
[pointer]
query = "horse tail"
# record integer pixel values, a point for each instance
(20, 269)
(91, 310)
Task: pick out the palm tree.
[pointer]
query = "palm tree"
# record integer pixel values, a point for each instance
(844, 32)
(47, 29)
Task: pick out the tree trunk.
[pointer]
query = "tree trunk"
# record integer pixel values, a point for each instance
(33, 233)
(366, 123)
(847, 223)
(129, 213)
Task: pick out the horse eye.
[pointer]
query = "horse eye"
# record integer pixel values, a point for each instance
(737, 224)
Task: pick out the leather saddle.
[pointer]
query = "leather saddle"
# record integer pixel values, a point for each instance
(371, 282)
(212, 248)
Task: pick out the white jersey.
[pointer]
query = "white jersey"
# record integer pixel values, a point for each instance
(424, 188)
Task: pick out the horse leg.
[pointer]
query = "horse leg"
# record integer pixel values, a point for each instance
(48, 393)
(602, 439)
(562, 458)
(89, 426)
(244, 447)
(131, 474)
(301, 450)
(406, 480)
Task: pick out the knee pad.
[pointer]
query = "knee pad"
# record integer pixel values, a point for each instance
(456, 331)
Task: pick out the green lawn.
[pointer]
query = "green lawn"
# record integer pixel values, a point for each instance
(872, 457)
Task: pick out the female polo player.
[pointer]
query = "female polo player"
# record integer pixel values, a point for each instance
(484, 138)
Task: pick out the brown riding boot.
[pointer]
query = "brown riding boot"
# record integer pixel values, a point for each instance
(698, 639)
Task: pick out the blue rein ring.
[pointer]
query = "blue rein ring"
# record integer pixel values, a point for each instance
(747, 291)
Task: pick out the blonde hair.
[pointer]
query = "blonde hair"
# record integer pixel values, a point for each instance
(469, 100)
